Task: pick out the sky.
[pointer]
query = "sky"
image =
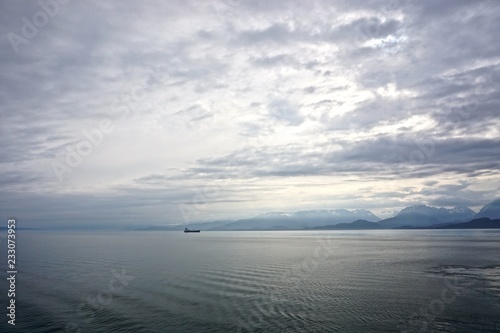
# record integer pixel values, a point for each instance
(125, 113)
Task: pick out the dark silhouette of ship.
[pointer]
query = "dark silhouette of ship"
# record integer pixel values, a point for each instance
(188, 230)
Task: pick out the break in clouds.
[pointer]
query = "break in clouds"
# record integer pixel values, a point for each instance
(121, 112)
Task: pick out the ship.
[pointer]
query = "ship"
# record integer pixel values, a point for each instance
(189, 230)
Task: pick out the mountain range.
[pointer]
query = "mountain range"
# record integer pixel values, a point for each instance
(457, 214)
(299, 220)
(413, 217)
(491, 210)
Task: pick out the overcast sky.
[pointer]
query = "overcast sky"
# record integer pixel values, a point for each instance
(161, 112)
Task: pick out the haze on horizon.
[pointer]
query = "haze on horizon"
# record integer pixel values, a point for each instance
(183, 111)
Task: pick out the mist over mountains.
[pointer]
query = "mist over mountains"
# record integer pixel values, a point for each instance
(425, 216)
(412, 219)
(418, 216)
(491, 210)
(458, 214)
(300, 220)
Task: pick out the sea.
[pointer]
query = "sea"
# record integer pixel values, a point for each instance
(262, 281)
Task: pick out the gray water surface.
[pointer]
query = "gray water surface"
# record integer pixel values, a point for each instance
(279, 281)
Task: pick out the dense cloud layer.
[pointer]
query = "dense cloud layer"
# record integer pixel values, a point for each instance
(123, 112)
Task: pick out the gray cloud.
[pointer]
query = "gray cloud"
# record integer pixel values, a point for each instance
(264, 96)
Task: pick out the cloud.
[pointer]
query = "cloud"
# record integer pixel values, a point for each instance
(292, 104)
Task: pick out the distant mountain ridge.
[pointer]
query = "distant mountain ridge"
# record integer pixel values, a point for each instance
(442, 214)
(356, 225)
(176, 227)
(491, 210)
(408, 219)
(417, 216)
(299, 220)
(481, 223)
(412, 217)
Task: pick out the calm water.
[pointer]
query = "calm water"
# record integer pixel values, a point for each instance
(283, 281)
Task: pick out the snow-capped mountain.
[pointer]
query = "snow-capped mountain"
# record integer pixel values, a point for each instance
(457, 214)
